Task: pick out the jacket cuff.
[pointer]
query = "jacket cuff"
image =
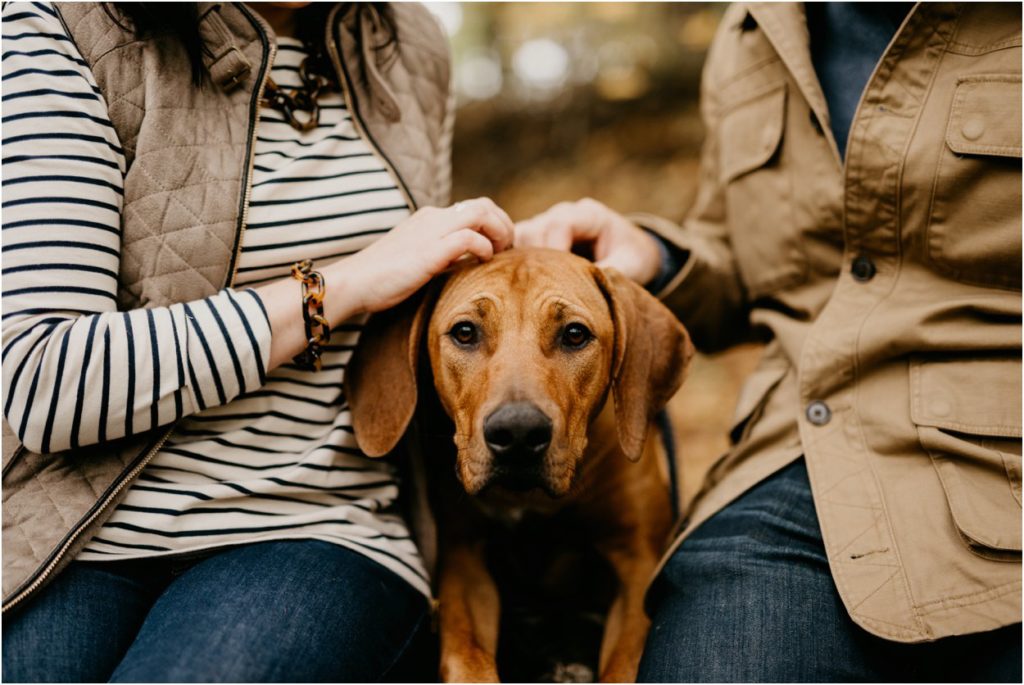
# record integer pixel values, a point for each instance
(672, 259)
(704, 290)
(676, 262)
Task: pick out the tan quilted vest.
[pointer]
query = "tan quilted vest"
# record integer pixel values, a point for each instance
(188, 153)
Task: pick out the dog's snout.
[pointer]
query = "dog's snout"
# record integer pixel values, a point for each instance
(519, 428)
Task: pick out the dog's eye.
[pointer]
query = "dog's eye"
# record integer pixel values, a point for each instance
(464, 333)
(576, 335)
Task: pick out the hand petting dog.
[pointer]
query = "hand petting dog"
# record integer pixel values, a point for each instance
(615, 241)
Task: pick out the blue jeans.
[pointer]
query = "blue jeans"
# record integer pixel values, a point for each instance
(749, 597)
(297, 610)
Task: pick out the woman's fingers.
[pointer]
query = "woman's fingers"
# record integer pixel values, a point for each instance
(467, 241)
(501, 215)
(482, 215)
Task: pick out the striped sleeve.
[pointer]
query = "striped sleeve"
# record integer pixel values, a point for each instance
(76, 371)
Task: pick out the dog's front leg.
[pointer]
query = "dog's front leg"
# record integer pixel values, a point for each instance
(470, 611)
(626, 628)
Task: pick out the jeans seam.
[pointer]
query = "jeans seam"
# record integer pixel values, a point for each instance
(404, 648)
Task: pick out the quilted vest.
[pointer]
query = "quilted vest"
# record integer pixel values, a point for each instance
(189, 153)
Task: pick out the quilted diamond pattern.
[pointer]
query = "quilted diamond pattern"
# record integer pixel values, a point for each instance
(187, 154)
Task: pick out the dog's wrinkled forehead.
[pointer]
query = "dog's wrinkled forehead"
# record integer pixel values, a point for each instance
(524, 284)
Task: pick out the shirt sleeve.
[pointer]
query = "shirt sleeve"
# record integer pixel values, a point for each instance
(76, 370)
(704, 288)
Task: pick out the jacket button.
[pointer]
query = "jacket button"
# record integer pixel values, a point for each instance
(973, 129)
(862, 268)
(818, 413)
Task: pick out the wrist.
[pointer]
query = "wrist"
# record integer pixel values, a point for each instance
(343, 299)
(651, 256)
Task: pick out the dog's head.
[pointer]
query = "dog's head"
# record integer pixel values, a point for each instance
(523, 351)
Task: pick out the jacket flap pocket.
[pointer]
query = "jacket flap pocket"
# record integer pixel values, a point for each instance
(977, 396)
(986, 116)
(982, 491)
(751, 132)
(968, 416)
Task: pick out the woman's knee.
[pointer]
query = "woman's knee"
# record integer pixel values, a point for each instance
(302, 610)
(76, 629)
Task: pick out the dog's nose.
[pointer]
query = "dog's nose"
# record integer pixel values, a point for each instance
(517, 429)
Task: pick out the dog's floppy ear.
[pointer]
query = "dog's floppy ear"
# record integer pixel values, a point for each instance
(652, 353)
(380, 380)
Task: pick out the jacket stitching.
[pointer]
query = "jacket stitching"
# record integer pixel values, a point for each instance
(957, 601)
(901, 164)
(883, 80)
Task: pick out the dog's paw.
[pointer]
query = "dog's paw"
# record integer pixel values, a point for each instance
(571, 673)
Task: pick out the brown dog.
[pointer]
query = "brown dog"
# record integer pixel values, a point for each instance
(524, 351)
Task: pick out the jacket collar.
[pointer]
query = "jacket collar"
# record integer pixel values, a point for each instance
(362, 39)
(226, 32)
(785, 26)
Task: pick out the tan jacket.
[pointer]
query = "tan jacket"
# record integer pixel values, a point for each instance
(189, 153)
(889, 289)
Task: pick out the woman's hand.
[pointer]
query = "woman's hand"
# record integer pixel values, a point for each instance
(616, 241)
(419, 248)
(389, 270)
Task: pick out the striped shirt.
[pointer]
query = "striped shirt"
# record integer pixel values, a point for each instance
(257, 455)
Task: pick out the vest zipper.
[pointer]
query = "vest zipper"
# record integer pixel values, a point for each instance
(14, 457)
(268, 55)
(269, 51)
(73, 536)
(350, 102)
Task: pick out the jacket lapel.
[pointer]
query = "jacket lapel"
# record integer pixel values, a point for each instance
(785, 26)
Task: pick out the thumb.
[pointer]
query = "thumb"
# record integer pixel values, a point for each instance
(617, 260)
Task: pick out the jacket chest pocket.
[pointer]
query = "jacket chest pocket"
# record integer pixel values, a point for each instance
(758, 193)
(974, 228)
(968, 417)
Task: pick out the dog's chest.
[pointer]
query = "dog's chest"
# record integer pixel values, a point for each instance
(555, 591)
(507, 517)
(513, 516)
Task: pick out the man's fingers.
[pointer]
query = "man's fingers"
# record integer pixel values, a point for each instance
(581, 219)
(558, 236)
(610, 262)
(529, 233)
(562, 226)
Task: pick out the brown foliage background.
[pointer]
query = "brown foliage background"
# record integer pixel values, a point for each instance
(559, 101)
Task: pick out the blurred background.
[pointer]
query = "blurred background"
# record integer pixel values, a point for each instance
(559, 101)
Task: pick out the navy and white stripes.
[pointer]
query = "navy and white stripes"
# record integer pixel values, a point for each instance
(258, 456)
(62, 333)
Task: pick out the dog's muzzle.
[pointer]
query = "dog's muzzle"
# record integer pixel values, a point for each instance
(518, 435)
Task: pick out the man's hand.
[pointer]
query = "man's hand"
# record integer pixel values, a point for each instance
(614, 240)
